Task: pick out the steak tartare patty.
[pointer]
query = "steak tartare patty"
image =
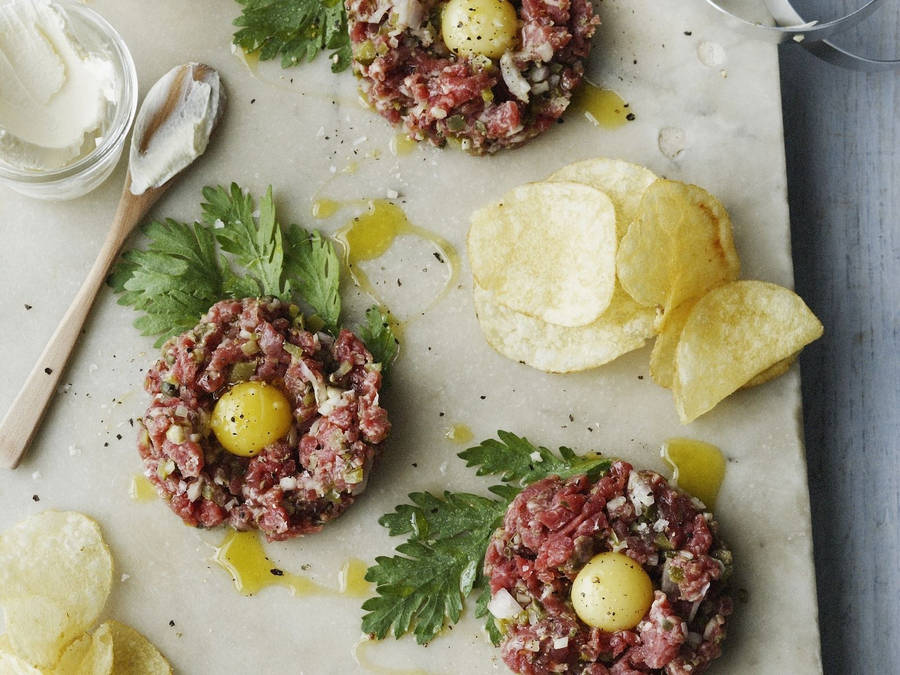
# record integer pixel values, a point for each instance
(554, 527)
(296, 483)
(411, 77)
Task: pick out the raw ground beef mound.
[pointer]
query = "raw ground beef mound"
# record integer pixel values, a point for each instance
(410, 77)
(555, 526)
(294, 485)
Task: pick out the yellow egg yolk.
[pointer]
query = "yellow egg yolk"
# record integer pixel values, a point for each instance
(612, 592)
(486, 27)
(250, 416)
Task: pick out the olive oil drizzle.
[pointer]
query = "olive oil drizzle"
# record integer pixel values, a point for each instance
(244, 558)
(459, 433)
(359, 655)
(370, 235)
(698, 468)
(402, 145)
(603, 107)
(141, 489)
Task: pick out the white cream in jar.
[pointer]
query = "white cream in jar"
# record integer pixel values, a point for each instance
(58, 93)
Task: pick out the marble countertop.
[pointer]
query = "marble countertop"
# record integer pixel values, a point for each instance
(842, 138)
(842, 146)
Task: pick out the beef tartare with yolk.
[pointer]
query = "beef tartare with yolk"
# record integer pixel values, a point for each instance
(623, 576)
(258, 422)
(489, 73)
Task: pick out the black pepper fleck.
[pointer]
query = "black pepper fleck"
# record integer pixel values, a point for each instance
(276, 572)
(35, 498)
(49, 371)
(27, 307)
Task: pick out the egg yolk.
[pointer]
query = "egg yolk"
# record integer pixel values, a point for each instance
(486, 27)
(612, 592)
(250, 416)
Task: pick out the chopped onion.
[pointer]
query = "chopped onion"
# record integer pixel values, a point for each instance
(504, 606)
(560, 642)
(518, 86)
(616, 503)
(639, 493)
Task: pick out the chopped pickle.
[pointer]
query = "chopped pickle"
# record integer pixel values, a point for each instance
(241, 371)
(456, 123)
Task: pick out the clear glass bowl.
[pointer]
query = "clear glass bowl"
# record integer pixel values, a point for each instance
(90, 171)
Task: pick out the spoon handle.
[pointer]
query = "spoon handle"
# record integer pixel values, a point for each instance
(20, 424)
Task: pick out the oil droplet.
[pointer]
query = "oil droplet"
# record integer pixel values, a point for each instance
(141, 489)
(352, 579)
(604, 107)
(697, 467)
(242, 556)
(351, 168)
(324, 208)
(362, 660)
(370, 235)
(459, 433)
(402, 145)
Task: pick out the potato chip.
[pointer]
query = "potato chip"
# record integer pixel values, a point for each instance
(623, 327)
(679, 246)
(10, 664)
(734, 333)
(624, 183)
(776, 370)
(662, 358)
(135, 654)
(547, 250)
(91, 654)
(55, 576)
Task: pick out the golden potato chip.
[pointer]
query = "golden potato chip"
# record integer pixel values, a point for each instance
(91, 654)
(662, 358)
(10, 664)
(624, 183)
(772, 372)
(679, 246)
(623, 327)
(734, 333)
(55, 576)
(547, 250)
(135, 654)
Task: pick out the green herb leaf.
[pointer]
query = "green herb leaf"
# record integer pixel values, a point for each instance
(379, 338)
(295, 30)
(438, 566)
(174, 281)
(256, 243)
(441, 561)
(312, 265)
(516, 460)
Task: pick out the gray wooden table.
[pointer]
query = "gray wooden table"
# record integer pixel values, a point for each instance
(842, 132)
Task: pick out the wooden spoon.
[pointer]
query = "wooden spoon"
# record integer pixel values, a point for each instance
(20, 424)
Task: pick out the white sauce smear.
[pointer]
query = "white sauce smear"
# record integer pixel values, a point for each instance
(184, 134)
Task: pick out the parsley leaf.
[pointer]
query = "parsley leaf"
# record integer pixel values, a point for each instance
(174, 281)
(238, 251)
(255, 243)
(441, 561)
(312, 265)
(516, 460)
(379, 338)
(295, 30)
